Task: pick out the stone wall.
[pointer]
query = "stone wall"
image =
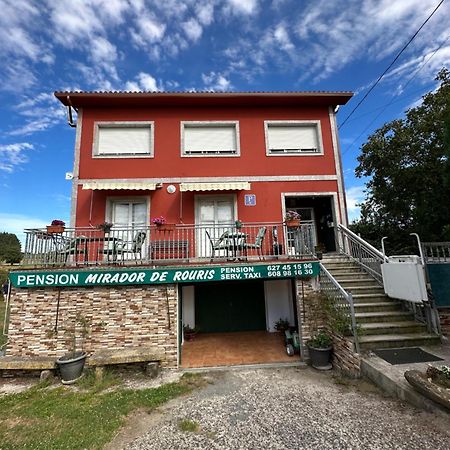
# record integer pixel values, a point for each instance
(444, 315)
(115, 318)
(311, 317)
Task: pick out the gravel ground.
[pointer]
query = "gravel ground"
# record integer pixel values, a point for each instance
(292, 408)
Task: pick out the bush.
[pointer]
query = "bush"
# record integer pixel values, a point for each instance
(10, 248)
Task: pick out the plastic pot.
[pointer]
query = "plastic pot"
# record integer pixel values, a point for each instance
(320, 357)
(71, 367)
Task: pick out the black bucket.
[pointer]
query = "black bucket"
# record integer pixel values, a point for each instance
(71, 367)
(320, 357)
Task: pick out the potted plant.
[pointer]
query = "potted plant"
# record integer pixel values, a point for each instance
(281, 325)
(71, 365)
(57, 226)
(319, 250)
(320, 348)
(238, 224)
(292, 218)
(105, 226)
(189, 332)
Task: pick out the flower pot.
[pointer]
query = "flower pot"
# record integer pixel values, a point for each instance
(165, 227)
(55, 229)
(292, 223)
(320, 357)
(71, 367)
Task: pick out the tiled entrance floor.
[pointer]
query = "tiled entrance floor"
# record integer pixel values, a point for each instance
(227, 349)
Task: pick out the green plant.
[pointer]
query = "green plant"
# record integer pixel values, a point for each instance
(339, 317)
(320, 340)
(105, 226)
(188, 425)
(83, 324)
(282, 324)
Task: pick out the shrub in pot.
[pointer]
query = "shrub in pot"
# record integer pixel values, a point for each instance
(320, 348)
(71, 365)
(281, 325)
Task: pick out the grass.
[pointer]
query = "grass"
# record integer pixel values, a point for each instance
(188, 425)
(62, 418)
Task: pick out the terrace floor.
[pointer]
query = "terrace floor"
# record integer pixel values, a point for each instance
(232, 349)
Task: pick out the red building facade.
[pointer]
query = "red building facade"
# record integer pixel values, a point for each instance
(208, 158)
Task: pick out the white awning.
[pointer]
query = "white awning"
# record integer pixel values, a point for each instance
(117, 185)
(237, 186)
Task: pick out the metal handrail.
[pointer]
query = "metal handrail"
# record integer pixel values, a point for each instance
(360, 251)
(331, 287)
(436, 252)
(168, 243)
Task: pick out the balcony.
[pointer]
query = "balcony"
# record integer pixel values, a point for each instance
(168, 245)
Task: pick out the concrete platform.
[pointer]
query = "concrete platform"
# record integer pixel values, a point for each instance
(391, 378)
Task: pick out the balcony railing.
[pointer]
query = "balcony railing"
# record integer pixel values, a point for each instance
(167, 244)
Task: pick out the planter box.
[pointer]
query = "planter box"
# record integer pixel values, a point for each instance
(294, 223)
(55, 229)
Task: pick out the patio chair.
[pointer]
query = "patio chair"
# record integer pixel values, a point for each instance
(136, 246)
(71, 246)
(219, 244)
(257, 245)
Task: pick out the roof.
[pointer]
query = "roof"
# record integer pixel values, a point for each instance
(203, 98)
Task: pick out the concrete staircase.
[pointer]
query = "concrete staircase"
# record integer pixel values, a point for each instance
(382, 321)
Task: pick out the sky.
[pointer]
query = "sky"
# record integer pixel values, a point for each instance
(221, 45)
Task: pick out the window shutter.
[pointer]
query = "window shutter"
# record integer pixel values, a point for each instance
(123, 140)
(210, 139)
(293, 138)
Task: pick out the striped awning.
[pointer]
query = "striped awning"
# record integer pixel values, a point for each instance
(236, 186)
(119, 185)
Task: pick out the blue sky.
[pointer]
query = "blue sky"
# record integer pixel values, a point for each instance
(50, 45)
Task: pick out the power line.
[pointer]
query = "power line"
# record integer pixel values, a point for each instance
(390, 65)
(384, 107)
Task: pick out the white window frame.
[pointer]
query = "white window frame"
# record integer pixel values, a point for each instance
(315, 123)
(123, 124)
(211, 123)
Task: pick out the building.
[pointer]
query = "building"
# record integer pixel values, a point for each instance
(222, 169)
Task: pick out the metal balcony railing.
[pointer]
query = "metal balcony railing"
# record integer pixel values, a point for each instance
(167, 244)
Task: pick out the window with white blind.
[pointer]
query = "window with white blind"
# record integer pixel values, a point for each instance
(123, 139)
(209, 139)
(293, 137)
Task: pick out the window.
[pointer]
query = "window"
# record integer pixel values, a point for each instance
(293, 137)
(123, 139)
(209, 139)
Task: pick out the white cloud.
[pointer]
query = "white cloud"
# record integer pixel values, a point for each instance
(143, 82)
(13, 155)
(205, 13)
(216, 82)
(354, 195)
(149, 30)
(192, 29)
(282, 38)
(245, 7)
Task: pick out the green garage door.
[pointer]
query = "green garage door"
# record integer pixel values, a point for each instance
(230, 306)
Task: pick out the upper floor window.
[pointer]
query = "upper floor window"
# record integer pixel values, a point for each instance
(123, 139)
(210, 138)
(293, 137)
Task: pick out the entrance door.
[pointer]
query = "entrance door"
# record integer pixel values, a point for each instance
(230, 306)
(214, 215)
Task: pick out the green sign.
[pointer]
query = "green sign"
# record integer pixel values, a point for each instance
(136, 276)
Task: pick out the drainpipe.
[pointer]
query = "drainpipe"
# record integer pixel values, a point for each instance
(69, 113)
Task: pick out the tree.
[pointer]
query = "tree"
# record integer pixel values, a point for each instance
(408, 162)
(10, 248)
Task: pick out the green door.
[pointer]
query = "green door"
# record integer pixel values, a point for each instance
(230, 306)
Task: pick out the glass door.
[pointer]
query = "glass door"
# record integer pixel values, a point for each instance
(214, 216)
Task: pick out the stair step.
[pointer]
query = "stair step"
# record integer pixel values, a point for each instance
(366, 298)
(377, 341)
(384, 316)
(406, 326)
(352, 275)
(341, 265)
(368, 282)
(356, 290)
(376, 307)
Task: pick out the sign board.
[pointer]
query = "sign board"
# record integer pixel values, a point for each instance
(250, 200)
(144, 276)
